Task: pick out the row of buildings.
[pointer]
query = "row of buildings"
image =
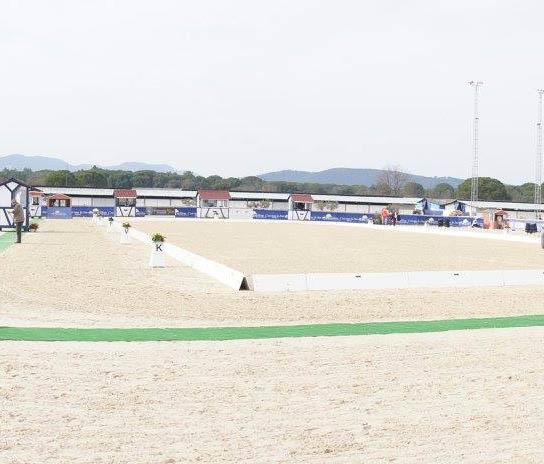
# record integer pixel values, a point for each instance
(51, 201)
(68, 202)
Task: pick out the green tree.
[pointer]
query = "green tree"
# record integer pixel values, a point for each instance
(413, 189)
(60, 179)
(443, 191)
(143, 178)
(488, 189)
(120, 179)
(524, 192)
(94, 177)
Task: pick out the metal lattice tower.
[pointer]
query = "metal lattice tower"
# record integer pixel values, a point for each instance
(538, 163)
(475, 145)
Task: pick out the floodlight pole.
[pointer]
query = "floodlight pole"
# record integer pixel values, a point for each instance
(475, 147)
(538, 163)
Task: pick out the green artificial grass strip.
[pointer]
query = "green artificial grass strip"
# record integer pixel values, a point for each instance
(6, 240)
(247, 333)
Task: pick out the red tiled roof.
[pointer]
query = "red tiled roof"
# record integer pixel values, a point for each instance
(302, 198)
(59, 196)
(125, 193)
(214, 195)
(35, 193)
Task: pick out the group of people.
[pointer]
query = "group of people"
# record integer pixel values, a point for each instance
(389, 217)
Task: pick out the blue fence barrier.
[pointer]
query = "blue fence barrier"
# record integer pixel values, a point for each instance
(87, 211)
(78, 211)
(455, 221)
(185, 212)
(59, 212)
(269, 214)
(340, 217)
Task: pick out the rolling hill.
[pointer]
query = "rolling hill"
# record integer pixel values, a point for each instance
(349, 176)
(38, 163)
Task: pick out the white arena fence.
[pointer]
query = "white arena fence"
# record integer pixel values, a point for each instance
(224, 274)
(393, 280)
(236, 280)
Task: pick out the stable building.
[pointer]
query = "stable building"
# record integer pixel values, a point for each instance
(300, 206)
(213, 204)
(36, 201)
(125, 202)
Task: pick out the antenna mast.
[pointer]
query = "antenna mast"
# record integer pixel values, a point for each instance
(475, 146)
(538, 164)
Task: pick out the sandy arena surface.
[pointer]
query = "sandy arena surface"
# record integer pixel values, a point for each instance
(72, 274)
(291, 248)
(471, 397)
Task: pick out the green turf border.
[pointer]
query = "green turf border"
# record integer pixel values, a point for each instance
(253, 333)
(6, 239)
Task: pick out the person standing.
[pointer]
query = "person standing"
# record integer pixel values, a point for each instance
(18, 218)
(394, 218)
(385, 216)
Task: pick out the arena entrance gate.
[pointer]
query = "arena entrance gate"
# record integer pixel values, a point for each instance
(9, 190)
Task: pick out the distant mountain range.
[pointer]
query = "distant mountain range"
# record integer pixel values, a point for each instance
(348, 176)
(38, 163)
(338, 176)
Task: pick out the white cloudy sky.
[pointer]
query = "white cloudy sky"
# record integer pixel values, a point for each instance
(240, 87)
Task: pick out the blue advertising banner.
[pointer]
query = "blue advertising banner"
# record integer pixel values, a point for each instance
(455, 221)
(58, 212)
(186, 212)
(269, 214)
(87, 211)
(340, 217)
(141, 212)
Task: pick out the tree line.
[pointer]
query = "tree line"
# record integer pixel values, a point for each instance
(392, 182)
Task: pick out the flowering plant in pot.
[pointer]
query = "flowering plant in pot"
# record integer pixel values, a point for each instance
(33, 227)
(158, 238)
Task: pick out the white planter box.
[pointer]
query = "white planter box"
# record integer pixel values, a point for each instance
(157, 258)
(125, 237)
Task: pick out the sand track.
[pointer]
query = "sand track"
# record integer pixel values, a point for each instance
(293, 248)
(471, 397)
(71, 274)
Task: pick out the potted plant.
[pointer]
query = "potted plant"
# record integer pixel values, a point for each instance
(125, 238)
(33, 227)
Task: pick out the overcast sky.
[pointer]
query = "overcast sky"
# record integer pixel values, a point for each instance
(240, 87)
